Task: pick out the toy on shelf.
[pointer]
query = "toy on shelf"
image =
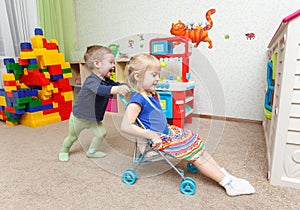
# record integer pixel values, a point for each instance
(114, 48)
(36, 89)
(176, 92)
(196, 33)
(271, 75)
(165, 48)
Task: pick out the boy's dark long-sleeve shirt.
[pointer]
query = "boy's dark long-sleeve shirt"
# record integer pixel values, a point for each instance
(93, 98)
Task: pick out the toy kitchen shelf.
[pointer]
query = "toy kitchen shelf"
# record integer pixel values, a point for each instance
(176, 96)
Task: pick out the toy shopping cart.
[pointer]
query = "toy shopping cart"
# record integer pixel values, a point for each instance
(187, 185)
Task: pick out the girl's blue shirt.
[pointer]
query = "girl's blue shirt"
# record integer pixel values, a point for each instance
(153, 119)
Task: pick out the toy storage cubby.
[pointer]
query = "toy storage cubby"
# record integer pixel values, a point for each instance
(282, 126)
(78, 73)
(120, 77)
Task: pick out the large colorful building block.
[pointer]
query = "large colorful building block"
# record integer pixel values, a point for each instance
(36, 89)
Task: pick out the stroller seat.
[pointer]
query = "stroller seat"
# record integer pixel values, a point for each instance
(143, 154)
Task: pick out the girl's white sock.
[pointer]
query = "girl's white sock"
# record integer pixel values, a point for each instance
(235, 186)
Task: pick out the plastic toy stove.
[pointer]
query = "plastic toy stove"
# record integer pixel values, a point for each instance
(174, 85)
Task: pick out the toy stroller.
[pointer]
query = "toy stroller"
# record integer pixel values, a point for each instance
(187, 185)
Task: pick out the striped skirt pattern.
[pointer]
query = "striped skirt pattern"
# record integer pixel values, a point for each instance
(182, 144)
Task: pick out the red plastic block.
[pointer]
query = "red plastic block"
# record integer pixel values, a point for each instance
(9, 94)
(23, 62)
(55, 69)
(58, 98)
(34, 77)
(48, 101)
(10, 109)
(50, 111)
(9, 83)
(49, 45)
(63, 85)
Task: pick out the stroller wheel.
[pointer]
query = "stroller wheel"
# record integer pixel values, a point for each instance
(129, 176)
(191, 167)
(188, 186)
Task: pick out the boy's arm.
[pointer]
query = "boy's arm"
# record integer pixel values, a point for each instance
(121, 89)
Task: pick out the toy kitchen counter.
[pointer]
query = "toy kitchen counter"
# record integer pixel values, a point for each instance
(177, 100)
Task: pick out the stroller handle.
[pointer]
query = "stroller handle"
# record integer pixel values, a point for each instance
(122, 98)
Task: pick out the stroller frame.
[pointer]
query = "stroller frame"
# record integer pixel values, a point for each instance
(187, 185)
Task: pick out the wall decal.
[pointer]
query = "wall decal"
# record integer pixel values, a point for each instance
(196, 33)
(250, 36)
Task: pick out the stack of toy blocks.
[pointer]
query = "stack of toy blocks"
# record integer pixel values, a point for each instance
(36, 89)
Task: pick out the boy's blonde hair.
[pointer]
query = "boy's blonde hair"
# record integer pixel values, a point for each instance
(95, 52)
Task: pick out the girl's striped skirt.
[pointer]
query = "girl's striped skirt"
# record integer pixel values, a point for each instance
(182, 144)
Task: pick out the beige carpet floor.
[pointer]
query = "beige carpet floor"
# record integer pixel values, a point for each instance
(31, 176)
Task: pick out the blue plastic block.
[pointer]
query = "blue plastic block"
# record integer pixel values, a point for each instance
(32, 61)
(25, 46)
(8, 60)
(18, 94)
(2, 92)
(20, 111)
(38, 31)
(10, 101)
(56, 77)
(34, 109)
(47, 106)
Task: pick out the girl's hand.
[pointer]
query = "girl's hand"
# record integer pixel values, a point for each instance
(156, 143)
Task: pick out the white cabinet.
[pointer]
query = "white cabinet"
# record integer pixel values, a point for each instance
(282, 131)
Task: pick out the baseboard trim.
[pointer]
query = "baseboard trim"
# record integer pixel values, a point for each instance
(231, 119)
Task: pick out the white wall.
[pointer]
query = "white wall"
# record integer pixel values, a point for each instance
(230, 77)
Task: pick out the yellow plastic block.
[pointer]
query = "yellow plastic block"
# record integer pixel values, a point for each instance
(39, 60)
(67, 75)
(36, 119)
(2, 101)
(27, 55)
(25, 71)
(68, 96)
(37, 41)
(55, 105)
(22, 85)
(65, 65)
(53, 41)
(10, 88)
(47, 75)
(52, 57)
(46, 91)
(40, 51)
(11, 123)
(55, 90)
(45, 95)
(49, 87)
(8, 77)
(28, 118)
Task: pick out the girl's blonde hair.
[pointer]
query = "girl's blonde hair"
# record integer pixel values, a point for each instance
(138, 65)
(95, 52)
